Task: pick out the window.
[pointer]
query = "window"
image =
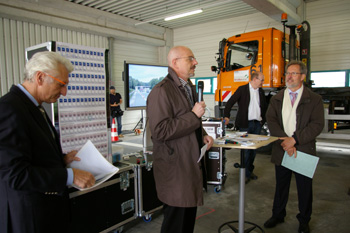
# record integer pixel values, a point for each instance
(242, 54)
(329, 79)
(209, 84)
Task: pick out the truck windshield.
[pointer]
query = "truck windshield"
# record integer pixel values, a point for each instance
(242, 54)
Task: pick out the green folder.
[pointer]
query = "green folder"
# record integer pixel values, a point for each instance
(304, 164)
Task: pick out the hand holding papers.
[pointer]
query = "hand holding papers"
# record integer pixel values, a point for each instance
(304, 164)
(92, 161)
(203, 150)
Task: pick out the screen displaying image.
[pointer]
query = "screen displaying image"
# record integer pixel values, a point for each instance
(140, 79)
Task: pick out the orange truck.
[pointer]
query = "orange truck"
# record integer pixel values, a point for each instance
(266, 51)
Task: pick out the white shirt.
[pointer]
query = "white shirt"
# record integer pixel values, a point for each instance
(254, 112)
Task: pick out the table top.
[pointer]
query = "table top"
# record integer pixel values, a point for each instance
(257, 140)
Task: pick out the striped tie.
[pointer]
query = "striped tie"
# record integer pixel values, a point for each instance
(293, 97)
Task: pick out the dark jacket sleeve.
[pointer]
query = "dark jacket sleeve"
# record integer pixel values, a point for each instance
(233, 99)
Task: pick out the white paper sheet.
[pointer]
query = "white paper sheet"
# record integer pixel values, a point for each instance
(92, 161)
(203, 150)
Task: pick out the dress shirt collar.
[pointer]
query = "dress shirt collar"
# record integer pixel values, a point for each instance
(252, 88)
(297, 91)
(28, 94)
(183, 82)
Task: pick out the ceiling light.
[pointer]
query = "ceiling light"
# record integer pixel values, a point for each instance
(183, 15)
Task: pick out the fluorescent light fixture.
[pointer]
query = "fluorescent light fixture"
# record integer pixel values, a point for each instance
(183, 15)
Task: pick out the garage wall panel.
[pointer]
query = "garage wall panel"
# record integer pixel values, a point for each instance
(15, 36)
(330, 41)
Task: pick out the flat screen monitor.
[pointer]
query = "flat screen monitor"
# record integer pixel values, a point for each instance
(139, 79)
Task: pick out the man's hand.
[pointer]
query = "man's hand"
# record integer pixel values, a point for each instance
(227, 120)
(208, 140)
(288, 143)
(70, 157)
(292, 151)
(199, 109)
(83, 179)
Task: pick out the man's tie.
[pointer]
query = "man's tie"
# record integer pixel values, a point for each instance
(188, 92)
(293, 97)
(42, 110)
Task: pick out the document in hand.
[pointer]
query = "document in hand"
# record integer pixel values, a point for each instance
(92, 161)
(304, 164)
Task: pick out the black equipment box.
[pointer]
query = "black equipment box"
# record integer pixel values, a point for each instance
(215, 157)
(107, 206)
(148, 201)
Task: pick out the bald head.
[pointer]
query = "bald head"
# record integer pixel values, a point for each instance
(182, 61)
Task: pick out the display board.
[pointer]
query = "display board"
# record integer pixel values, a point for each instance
(82, 112)
(81, 115)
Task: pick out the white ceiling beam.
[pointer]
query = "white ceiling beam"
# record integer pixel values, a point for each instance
(67, 15)
(274, 9)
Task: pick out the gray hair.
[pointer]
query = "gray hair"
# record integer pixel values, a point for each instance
(301, 65)
(45, 61)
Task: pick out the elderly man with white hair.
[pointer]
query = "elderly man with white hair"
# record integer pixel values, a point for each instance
(33, 174)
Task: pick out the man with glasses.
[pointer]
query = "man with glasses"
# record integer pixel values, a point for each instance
(33, 173)
(296, 116)
(250, 115)
(174, 117)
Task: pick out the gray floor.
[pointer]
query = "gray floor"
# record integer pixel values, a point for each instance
(331, 205)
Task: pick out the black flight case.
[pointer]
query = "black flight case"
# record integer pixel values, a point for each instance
(108, 206)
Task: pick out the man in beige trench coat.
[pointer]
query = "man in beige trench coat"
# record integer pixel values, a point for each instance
(177, 134)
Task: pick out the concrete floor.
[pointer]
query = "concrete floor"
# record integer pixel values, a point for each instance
(331, 205)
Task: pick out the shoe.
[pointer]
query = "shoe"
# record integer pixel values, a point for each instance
(304, 228)
(272, 222)
(121, 135)
(253, 176)
(247, 180)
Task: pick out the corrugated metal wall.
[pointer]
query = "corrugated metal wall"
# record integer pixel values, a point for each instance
(18, 35)
(330, 30)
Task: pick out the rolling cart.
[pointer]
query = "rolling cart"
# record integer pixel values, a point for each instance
(215, 157)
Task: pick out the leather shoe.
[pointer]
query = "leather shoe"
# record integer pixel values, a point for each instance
(304, 228)
(272, 222)
(253, 176)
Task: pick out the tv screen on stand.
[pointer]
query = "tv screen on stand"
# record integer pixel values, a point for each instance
(139, 79)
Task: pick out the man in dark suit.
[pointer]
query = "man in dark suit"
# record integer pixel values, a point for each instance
(250, 116)
(296, 116)
(33, 173)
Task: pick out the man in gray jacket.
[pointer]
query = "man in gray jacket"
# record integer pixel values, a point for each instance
(177, 134)
(295, 115)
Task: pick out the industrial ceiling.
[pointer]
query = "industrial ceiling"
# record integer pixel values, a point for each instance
(154, 11)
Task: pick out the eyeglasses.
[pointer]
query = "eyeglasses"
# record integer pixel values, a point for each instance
(291, 73)
(60, 81)
(262, 80)
(190, 58)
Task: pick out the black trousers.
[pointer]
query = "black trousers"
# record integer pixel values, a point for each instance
(304, 188)
(178, 219)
